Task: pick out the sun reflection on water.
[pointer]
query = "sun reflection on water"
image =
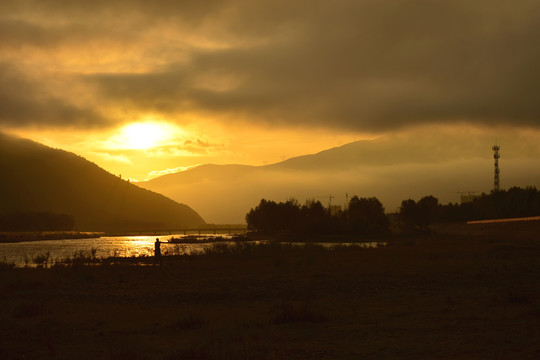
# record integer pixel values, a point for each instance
(119, 246)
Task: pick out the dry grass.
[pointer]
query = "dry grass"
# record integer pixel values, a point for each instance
(444, 298)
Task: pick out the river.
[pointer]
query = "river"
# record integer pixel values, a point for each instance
(23, 253)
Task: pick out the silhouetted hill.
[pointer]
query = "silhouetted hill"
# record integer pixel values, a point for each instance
(38, 178)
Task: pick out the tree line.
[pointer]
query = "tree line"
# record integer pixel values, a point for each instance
(368, 216)
(362, 216)
(512, 203)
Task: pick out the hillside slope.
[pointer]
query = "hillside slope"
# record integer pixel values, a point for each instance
(38, 178)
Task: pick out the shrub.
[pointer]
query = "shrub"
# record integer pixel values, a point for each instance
(41, 260)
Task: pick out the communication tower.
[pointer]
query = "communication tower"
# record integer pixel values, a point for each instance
(496, 156)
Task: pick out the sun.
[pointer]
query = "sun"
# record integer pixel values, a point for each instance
(141, 136)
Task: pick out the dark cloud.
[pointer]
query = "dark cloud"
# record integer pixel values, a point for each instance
(362, 65)
(117, 11)
(24, 102)
(18, 34)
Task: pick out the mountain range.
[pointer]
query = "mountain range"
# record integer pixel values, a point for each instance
(391, 168)
(37, 178)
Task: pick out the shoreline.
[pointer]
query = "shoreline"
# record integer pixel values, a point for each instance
(515, 227)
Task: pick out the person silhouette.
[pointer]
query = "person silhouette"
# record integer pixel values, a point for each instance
(157, 251)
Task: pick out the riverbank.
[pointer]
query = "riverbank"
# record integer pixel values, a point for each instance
(444, 298)
(523, 227)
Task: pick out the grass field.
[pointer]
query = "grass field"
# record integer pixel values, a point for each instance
(432, 297)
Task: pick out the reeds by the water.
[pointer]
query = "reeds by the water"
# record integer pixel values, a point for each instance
(6, 265)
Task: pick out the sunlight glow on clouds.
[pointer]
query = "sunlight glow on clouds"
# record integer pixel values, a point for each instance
(158, 173)
(148, 85)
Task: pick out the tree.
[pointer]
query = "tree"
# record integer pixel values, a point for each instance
(408, 214)
(273, 217)
(261, 218)
(418, 215)
(366, 215)
(427, 207)
(315, 218)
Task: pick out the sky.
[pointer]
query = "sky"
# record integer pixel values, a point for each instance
(145, 88)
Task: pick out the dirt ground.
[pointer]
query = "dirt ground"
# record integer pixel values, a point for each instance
(428, 297)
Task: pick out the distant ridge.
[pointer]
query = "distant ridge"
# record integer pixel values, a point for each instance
(391, 168)
(35, 177)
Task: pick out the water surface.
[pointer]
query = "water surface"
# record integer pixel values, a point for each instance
(22, 253)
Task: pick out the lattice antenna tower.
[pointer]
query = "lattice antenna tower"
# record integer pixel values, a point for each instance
(496, 156)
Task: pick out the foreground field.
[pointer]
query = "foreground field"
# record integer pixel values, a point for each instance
(434, 297)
